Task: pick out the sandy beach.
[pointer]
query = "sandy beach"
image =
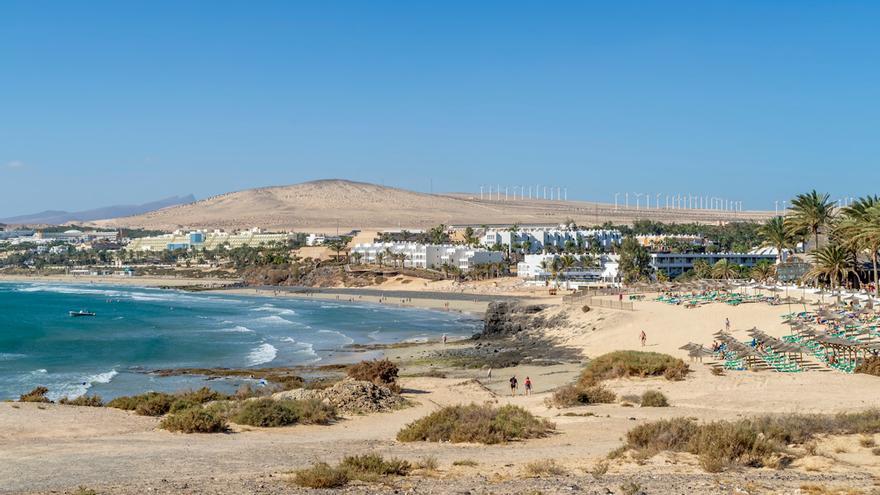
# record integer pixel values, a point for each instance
(54, 448)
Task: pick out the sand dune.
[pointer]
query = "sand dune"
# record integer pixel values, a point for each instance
(327, 204)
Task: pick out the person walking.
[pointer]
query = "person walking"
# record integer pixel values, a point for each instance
(444, 339)
(489, 374)
(528, 384)
(643, 337)
(513, 385)
(727, 325)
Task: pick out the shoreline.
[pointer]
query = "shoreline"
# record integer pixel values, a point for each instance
(137, 281)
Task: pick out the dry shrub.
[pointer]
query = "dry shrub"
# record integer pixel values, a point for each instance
(870, 366)
(194, 420)
(161, 403)
(544, 467)
(321, 475)
(575, 395)
(476, 423)
(718, 371)
(654, 398)
(631, 398)
(367, 467)
(83, 400)
(273, 413)
(620, 364)
(428, 463)
(867, 442)
(875, 451)
(380, 371)
(36, 395)
(756, 442)
(465, 462)
(599, 469)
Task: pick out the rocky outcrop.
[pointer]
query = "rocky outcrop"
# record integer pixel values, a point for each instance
(509, 318)
(351, 397)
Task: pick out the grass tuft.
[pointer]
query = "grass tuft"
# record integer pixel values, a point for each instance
(477, 424)
(367, 467)
(574, 395)
(321, 475)
(465, 462)
(543, 467)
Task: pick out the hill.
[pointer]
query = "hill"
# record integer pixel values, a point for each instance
(60, 217)
(326, 205)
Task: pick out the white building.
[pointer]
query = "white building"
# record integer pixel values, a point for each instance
(674, 264)
(199, 239)
(536, 267)
(426, 256)
(540, 239)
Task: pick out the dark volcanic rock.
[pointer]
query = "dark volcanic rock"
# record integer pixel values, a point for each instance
(507, 318)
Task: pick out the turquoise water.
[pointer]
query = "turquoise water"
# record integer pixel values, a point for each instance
(137, 330)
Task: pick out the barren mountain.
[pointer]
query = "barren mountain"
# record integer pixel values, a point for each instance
(325, 205)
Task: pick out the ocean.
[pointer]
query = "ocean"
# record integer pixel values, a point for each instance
(137, 330)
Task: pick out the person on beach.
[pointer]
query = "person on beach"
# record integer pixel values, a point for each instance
(513, 384)
(444, 339)
(727, 324)
(489, 374)
(643, 337)
(528, 384)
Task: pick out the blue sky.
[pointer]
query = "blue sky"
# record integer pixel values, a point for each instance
(124, 102)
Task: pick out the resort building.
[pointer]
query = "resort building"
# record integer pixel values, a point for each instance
(539, 239)
(207, 240)
(425, 256)
(674, 264)
(537, 267)
(74, 236)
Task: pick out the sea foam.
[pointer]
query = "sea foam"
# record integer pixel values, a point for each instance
(262, 354)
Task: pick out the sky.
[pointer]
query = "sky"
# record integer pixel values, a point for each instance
(111, 102)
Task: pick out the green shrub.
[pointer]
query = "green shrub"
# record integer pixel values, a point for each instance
(575, 395)
(155, 405)
(380, 371)
(321, 475)
(654, 398)
(621, 364)
(161, 403)
(476, 423)
(272, 413)
(370, 467)
(194, 420)
(36, 395)
(759, 441)
(83, 400)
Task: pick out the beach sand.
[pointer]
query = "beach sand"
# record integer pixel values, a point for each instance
(52, 447)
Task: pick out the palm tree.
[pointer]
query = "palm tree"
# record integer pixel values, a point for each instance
(763, 271)
(725, 270)
(860, 230)
(832, 262)
(527, 246)
(702, 269)
(809, 213)
(776, 234)
(356, 256)
(380, 258)
(567, 262)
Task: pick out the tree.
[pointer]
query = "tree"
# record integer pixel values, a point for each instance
(724, 269)
(831, 262)
(763, 271)
(702, 269)
(469, 238)
(860, 230)
(776, 234)
(635, 262)
(356, 256)
(810, 212)
(380, 258)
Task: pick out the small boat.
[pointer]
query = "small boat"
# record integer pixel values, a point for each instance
(81, 313)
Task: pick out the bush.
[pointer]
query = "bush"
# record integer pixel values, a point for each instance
(83, 400)
(476, 423)
(36, 395)
(465, 462)
(369, 467)
(757, 441)
(194, 420)
(381, 372)
(574, 395)
(161, 403)
(621, 364)
(870, 366)
(321, 475)
(545, 467)
(654, 398)
(272, 413)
